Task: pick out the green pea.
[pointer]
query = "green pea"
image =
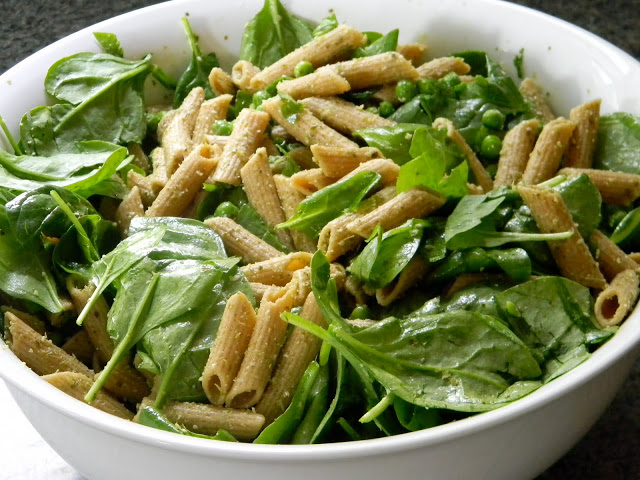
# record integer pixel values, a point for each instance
(272, 89)
(373, 110)
(460, 89)
(222, 127)
(493, 119)
(260, 97)
(386, 109)
(226, 209)
(451, 79)
(427, 85)
(491, 146)
(303, 68)
(406, 90)
(360, 312)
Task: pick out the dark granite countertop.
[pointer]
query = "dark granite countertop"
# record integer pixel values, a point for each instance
(611, 450)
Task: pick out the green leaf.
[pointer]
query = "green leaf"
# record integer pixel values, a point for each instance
(151, 417)
(109, 43)
(326, 25)
(387, 43)
(318, 209)
(583, 200)
(627, 232)
(618, 143)
(272, 34)
(518, 62)
(316, 409)
(513, 261)
(394, 142)
(290, 109)
(197, 73)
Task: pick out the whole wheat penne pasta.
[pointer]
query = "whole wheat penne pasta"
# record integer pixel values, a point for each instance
(209, 419)
(164, 122)
(259, 289)
(635, 256)
(126, 383)
(140, 158)
(57, 319)
(220, 140)
(412, 273)
(322, 83)
(307, 129)
(616, 301)
(277, 271)
(618, 188)
(583, 141)
(303, 157)
(320, 51)
(289, 199)
(378, 69)
(336, 162)
(240, 242)
(264, 346)
(184, 184)
(299, 350)
(414, 52)
(221, 82)
(517, 145)
(414, 203)
(130, 207)
(483, 179)
(227, 351)
(79, 345)
(262, 193)
(610, 257)
(37, 351)
(310, 181)
(159, 176)
(31, 320)
(145, 188)
(547, 153)
(439, 67)
(210, 111)
(244, 140)
(353, 286)
(344, 116)
(532, 92)
(176, 139)
(388, 170)
(77, 385)
(387, 94)
(242, 75)
(571, 255)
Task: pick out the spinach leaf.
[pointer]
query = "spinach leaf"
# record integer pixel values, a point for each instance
(283, 427)
(326, 25)
(272, 34)
(415, 418)
(565, 323)
(386, 43)
(394, 142)
(197, 73)
(627, 232)
(582, 199)
(109, 43)
(315, 412)
(518, 62)
(319, 208)
(618, 143)
(513, 261)
(386, 255)
(151, 417)
(437, 164)
(413, 112)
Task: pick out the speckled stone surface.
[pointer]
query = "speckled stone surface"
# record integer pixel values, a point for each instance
(611, 450)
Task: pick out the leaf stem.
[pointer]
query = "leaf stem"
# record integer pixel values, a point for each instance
(90, 250)
(16, 148)
(378, 409)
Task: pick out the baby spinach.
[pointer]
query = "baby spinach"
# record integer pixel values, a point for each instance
(272, 34)
(326, 25)
(413, 417)
(197, 73)
(316, 409)
(413, 112)
(386, 255)
(627, 232)
(109, 43)
(513, 261)
(437, 164)
(151, 417)
(618, 143)
(319, 208)
(394, 142)
(386, 43)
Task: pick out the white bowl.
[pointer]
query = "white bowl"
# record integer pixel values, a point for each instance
(513, 442)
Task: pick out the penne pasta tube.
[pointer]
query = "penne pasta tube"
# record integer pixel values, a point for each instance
(262, 193)
(611, 258)
(319, 51)
(277, 271)
(483, 179)
(388, 170)
(245, 139)
(303, 157)
(310, 181)
(299, 350)
(209, 419)
(618, 188)
(377, 69)
(336, 162)
(306, 128)
(221, 82)
(37, 351)
(571, 255)
(439, 67)
(259, 289)
(264, 346)
(79, 345)
(31, 320)
(140, 158)
(240, 242)
(145, 187)
(77, 385)
(159, 176)
(242, 75)
(323, 83)
(414, 52)
(517, 145)
(354, 287)
(210, 111)
(414, 203)
(616, 301)
(226, 354)
(342, 115)
(547, 153)
(184, 184)
(127, 383)
(412, 273)
(130, 207)
(289, 199)
(583, 141)
(532, 92)
(387, 94)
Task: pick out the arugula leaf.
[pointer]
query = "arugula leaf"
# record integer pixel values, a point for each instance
(272, 34)
(109, 43)
(197, 73)
(326, 25)
(433, 165)
(318, 209)
(618, 143)
(385, 256)
(513, 261)
(386, 43)
(394, 142)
